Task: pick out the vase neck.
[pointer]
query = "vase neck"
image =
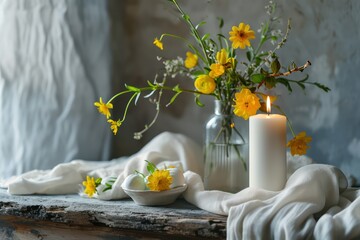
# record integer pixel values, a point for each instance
(222, 108)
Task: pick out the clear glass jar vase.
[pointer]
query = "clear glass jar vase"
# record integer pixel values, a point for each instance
(226, 152)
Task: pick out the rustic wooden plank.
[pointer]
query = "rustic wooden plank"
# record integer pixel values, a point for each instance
(65, 215)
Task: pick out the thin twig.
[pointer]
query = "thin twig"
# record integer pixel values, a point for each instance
(296, 69)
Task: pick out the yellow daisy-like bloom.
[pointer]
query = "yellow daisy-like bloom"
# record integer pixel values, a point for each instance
(104, 108)
(246, 104)
(240, 36)
(299, 144)
(160, 180)
(191, 60)
(205, 84)
(158, 43)
(90, 186)
(114, 125)
(216, 70)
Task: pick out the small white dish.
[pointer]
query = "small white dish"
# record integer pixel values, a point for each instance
(153, 198)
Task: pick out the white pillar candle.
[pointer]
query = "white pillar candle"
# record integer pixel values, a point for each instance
(267, 160)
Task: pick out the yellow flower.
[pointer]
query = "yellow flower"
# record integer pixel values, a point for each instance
(158, 43)
(104, 108)
(191, 60)
(90, 186)
(205, 84)
(298, 145)
(216, 70)
(246, 104)
(222, 56)
(159, 180)
(239, 36)
(114, 125)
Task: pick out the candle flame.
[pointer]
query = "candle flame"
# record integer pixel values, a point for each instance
(268, 105)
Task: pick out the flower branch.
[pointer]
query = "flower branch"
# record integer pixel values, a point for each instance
(216, 70)
(296, 69)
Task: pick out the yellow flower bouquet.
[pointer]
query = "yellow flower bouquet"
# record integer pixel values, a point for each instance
(232, 69)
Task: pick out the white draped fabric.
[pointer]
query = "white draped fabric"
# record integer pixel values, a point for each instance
(315, 203)
(54, 64)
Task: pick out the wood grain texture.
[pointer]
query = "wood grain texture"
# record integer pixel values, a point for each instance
(72, 217)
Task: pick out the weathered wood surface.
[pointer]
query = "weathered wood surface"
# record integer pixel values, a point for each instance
(73, 217)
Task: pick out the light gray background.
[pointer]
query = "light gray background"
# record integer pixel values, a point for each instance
(325, 32)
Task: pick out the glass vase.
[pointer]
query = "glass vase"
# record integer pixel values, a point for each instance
(226, 152)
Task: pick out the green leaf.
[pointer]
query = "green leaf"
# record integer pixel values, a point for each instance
(270, 82)
(274, 38)
(305, 78)
(250, 55)
(177, 88)
(109, 184)
(107, 188)
(275, 66)
(221, 35)
(150, 167)
(186, 17)
(173, 98)
(197, 100)
(301, 85)
(221, 22)
(199, 25)
(206, 36)
(132, 88)
(257, 78)
(258, 61)
(321, 86)
(284, 82)
(150, 84)
(98, 181)
(197, 73)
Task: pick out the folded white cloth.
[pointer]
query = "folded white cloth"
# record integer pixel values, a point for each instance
(67, 177)
(315, 202)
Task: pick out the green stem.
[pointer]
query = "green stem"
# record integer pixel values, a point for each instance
(186, 41)
(287, 119)
(278, 46)
(197, 36)
(118, 94)
(128, 104)
(157, 87)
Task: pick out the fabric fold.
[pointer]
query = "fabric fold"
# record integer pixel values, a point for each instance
(315, 203)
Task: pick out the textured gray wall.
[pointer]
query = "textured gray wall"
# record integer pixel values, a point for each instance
(325, 32)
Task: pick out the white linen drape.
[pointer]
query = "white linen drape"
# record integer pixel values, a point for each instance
(54, 64)
(315, 202)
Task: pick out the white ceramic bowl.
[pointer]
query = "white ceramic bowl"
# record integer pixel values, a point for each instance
(153, 198)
